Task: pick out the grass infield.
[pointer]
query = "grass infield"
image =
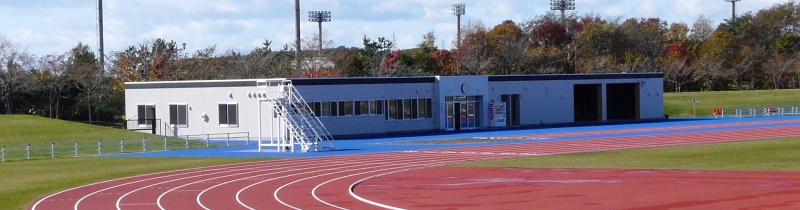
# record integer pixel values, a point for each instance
(781, 154)
(680, 104)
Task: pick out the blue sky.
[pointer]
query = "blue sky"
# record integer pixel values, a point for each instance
(54, 26)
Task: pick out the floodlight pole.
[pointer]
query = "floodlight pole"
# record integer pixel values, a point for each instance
(563, 6)
(319, 17)
(458, 11)
(297, 33)
(733, 9)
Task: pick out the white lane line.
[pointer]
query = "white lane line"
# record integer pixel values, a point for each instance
(403, 169)
(275, 194)
(35, 205)
(188, 171)
(357, 157)
(239, 193)
(291, 166)
(119, 200)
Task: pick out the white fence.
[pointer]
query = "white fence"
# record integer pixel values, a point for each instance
(119, 146)
(764, 111)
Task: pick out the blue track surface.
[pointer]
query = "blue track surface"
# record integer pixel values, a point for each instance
(379, 144)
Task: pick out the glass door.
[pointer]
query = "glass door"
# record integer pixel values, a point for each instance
(450, 117)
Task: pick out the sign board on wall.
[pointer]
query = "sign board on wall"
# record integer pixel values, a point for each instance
(497, 114)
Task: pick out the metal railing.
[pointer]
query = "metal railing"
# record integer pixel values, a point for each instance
(765, 111)
(118, 146)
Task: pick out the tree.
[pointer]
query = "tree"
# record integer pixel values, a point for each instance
(779, 66)
(13, 62)
(86, 75)
(474, 54)
(372, 56)
(52, 81)
(701, 29)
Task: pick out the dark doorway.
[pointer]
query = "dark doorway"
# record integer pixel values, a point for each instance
(457, 115)
(512, 108)
(588, 103)
(623, 101)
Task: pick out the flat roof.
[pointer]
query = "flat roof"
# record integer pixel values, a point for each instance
(382, 80)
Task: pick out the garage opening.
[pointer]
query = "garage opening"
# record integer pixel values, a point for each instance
(623, 101)
(588, 103)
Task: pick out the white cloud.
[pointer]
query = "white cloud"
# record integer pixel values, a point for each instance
(54, 26)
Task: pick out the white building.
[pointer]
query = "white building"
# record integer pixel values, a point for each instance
(359, 106)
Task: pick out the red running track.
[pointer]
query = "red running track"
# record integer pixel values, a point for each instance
(325, 183)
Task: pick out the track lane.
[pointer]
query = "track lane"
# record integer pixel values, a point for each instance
(328, 189)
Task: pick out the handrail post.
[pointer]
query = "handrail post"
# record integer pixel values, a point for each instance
(207, 136)
(165, 143)
(144, 144)
(4, 153)
(248, 138)
(187, 141)
(53, 150)
(76, 148)
(228, 141)
(99, 147)
(28, 152)
(121, 146)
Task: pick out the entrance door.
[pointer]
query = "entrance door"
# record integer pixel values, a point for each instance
(460, 116)
(462, 112)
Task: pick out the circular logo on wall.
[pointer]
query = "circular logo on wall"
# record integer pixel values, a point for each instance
(464, 88)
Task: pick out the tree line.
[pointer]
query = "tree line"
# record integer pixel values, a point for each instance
(757, 50)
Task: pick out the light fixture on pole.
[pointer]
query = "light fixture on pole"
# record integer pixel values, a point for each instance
(319, 17)
(562, 5)
(733, 8)
(458, 11)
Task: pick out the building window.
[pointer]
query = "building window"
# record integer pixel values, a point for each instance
(415, 108)
(407, 109)
(375, 107)
(347, 108)
(392, 113)
(146, 114)
(422, 109)
(228, 114)
(326, 109)
(177, 114)
(317, 109)
(334, 108)
(428, 108)
(363, 108)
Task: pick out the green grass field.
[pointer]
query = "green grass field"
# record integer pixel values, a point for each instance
(762, 155)
(24, 129)
(680, 104)
(23, 181)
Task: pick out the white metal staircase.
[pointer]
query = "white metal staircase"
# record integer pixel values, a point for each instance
(294, 119)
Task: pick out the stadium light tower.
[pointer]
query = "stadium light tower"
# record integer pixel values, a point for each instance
(563, 6)
(319, 17)
(458, 11)
(733, 8)
(297, 33)
(100, 45)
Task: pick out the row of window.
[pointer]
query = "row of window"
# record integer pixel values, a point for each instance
(228, 114)
(392, 109)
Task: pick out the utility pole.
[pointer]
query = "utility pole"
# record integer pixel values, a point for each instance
(100, 38)
(733, 9)
(297, 30)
